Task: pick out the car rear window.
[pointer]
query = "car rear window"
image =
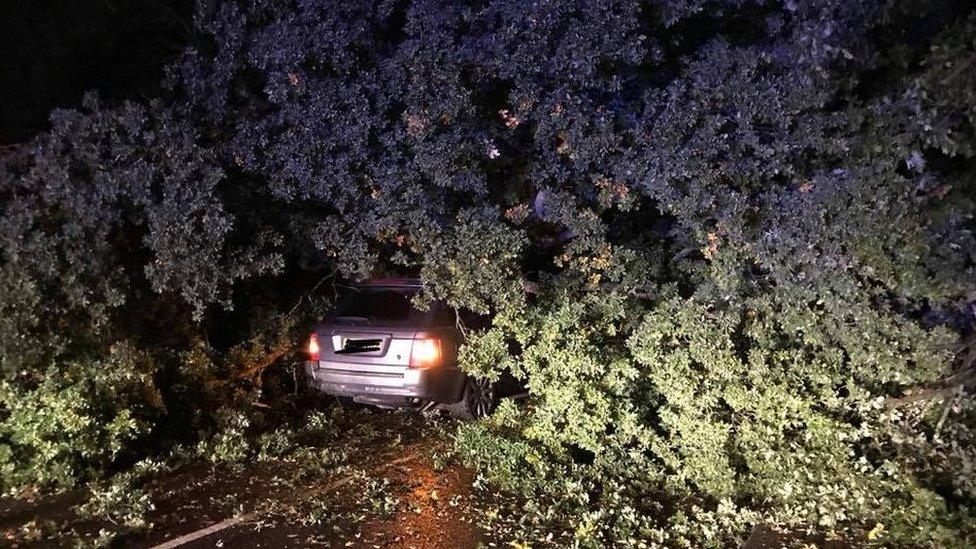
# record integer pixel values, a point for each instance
(378, 304)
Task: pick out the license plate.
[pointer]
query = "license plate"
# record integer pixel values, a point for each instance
(350, 345)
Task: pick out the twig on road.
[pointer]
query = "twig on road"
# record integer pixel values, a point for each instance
(234, 521)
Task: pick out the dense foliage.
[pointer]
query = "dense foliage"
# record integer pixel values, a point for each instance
(728, 245)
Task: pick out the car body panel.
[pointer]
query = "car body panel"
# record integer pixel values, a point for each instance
(368, 358)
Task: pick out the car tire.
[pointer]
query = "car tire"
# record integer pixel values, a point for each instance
(479, 400)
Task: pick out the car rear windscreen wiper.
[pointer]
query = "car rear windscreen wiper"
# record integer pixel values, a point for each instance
(358, 319)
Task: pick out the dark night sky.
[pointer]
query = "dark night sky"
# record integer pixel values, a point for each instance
(52, 51)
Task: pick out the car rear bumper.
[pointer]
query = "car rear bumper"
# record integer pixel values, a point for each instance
(386, 383)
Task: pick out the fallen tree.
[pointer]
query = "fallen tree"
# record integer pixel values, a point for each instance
(729, 247)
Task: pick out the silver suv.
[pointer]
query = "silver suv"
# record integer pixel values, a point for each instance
(376, 348)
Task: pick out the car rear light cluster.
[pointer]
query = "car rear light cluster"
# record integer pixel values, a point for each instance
(313, 348)
(425, 352)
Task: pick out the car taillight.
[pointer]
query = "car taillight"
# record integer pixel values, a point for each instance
(313, 347)
(425, 352)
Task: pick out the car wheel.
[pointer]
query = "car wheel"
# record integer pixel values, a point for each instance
(479, 400)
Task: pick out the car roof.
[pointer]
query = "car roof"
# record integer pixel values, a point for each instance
(393, 282)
